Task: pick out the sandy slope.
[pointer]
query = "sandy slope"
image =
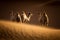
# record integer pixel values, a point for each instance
(20, 31)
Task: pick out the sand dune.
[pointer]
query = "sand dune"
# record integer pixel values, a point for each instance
(20, 31)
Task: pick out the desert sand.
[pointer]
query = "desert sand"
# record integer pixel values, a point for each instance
(21, 31)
